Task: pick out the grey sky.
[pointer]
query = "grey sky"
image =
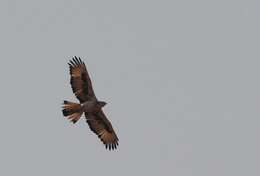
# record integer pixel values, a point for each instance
(181, 79)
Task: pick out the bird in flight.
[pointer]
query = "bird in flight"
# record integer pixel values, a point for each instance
(89, 105)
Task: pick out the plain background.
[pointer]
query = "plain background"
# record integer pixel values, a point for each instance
(181, 79)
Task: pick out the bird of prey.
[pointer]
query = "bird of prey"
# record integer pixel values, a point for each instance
(89, 105)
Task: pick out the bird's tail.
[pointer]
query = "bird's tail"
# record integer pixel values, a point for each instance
(72, 111)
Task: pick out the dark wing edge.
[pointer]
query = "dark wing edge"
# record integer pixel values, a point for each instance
(80, 80)
(101, 126)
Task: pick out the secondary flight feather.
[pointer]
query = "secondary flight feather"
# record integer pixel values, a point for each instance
(88, 104)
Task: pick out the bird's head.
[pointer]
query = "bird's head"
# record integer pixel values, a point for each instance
(101, 103)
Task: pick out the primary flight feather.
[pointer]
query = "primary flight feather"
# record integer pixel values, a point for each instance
(89, 105)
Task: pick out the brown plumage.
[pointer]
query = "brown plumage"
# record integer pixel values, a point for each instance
(89, 105)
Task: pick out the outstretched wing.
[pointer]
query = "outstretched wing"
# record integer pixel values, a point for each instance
(80, 80)
(100, 125)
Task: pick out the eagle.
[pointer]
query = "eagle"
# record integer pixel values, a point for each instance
(88, 104)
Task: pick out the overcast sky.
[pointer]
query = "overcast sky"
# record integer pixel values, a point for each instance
(181, 79)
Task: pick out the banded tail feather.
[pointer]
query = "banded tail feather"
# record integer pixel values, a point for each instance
(72, 111)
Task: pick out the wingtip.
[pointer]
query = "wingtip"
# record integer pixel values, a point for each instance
(81, 62)
(111, 146)
(72, 63)
(76, 61)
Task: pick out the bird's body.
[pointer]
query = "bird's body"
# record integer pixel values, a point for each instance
(89, 105)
